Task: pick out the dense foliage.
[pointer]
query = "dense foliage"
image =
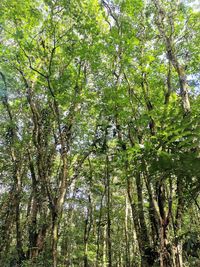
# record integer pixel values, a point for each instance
(99, 140)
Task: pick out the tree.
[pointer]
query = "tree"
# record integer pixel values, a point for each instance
(99, 140)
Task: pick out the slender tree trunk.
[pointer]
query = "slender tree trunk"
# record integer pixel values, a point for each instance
(127, 235)
(108, 202)
(104, 247)
(33, 250)
(56, 217)
(57, 207)
(55, 239)
(99, 229)
(20, 252)
(141, 209)
(88, 224)
(178, 223)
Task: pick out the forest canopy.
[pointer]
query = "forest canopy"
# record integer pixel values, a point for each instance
(99, 133)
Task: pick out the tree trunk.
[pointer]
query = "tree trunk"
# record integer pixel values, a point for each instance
(55, 239)
(144, 246)
(178, 224)
(88, 224)
(127, 235)
(99, 229)
(108, 202)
